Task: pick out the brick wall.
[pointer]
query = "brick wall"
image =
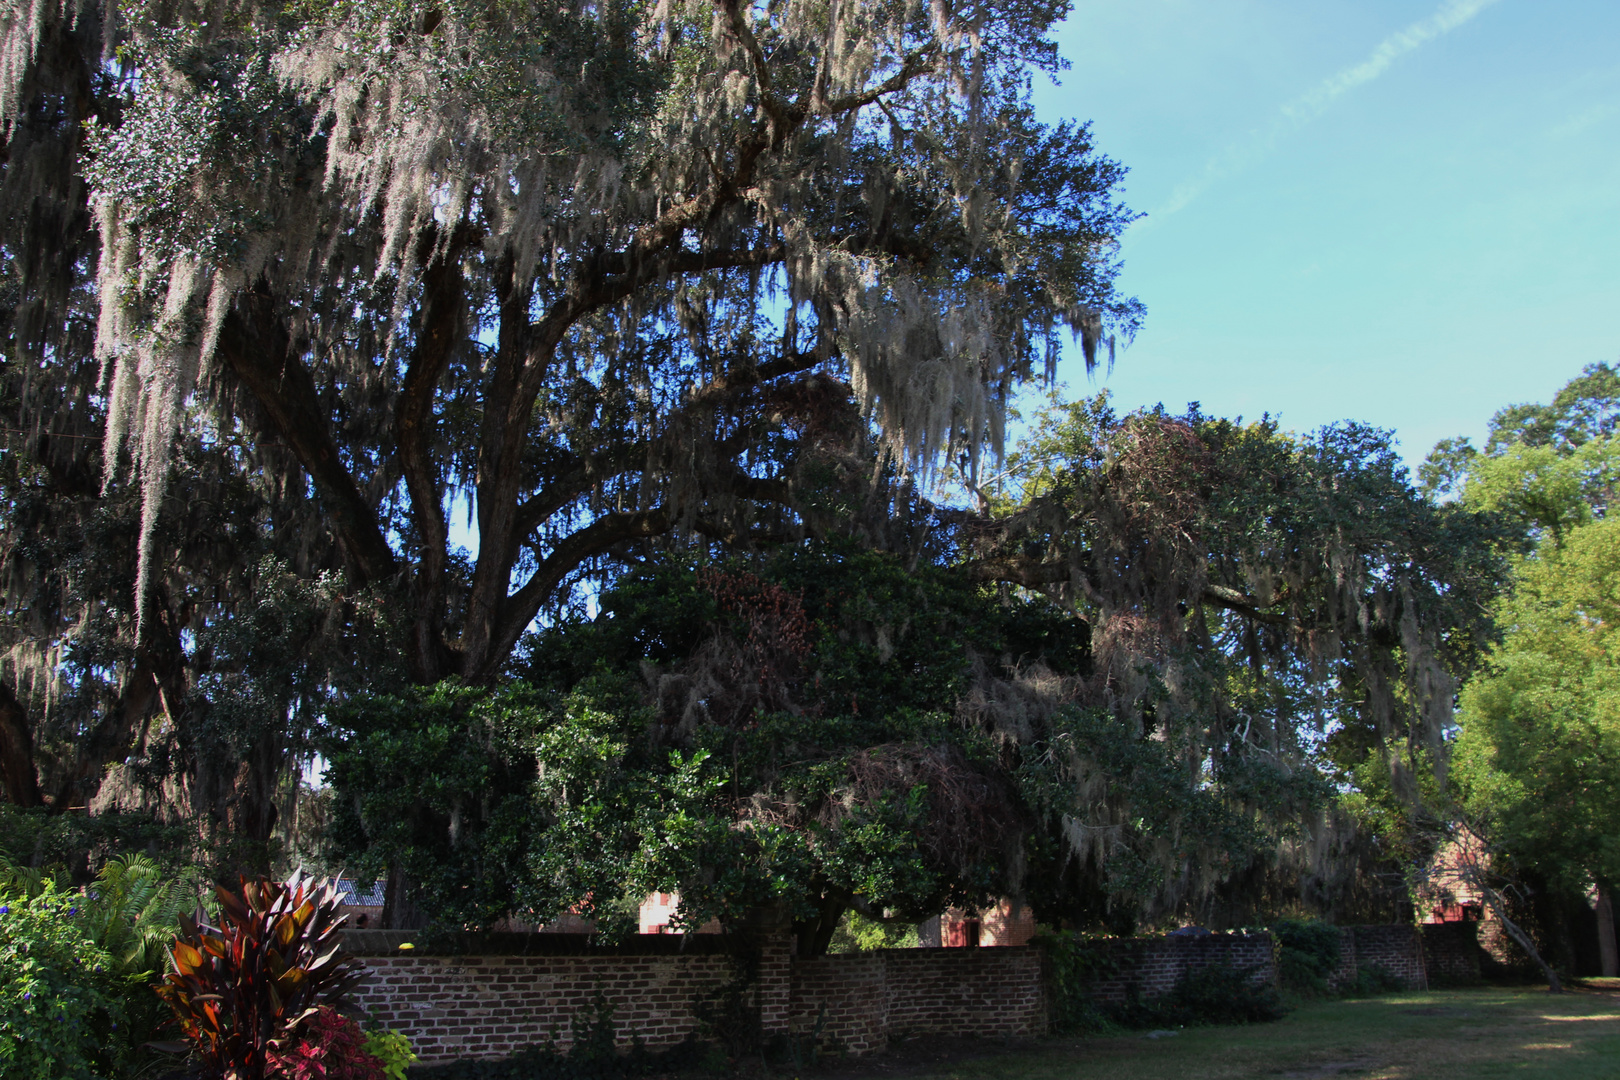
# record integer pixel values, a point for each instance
(492, 1006)
(863, 1000)
(1148, 967)
(1451, 952)
(491, 1003)
(1396, 949)
(487, 1005)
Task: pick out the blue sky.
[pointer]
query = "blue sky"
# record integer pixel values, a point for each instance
(1405, 212)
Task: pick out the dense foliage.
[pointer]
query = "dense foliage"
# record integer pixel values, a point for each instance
(289, 287)
(1117, 738)
(1540, 746)
(125, 916)
(748, 739)
(1535, 762)
(60, 992)
(686, 307)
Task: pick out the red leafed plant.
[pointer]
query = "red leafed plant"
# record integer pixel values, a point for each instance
(240, 988)
(325, 1046)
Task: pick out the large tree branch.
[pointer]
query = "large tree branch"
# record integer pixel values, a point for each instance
(919, 62)
(1244, 604)
(594, 539)
(1018, 570)
(782, 115)
(156, 682)
(255, 345)
(442, 304)
(510, 410)
(574, 481)
(500, 451)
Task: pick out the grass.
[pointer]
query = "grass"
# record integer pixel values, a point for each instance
(1478, 1034)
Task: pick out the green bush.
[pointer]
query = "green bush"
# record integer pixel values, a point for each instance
(1223, 994)
(60, 992)
(1074, 965)
(130, 912)
(393, 1050)
(856, 933)
(1216, 994)
(1307, 955)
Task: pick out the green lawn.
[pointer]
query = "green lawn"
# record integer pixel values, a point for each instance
(1444, 1034)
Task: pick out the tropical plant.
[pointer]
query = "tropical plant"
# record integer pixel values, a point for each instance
(240, 986)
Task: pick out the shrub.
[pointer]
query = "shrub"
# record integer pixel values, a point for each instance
(1215, 994)
(1073, 967)
(325, 1045)
(129, 912)
(239, 988)
(1223, 994)
(59, 991)
(393, 1050)
(1307, 955)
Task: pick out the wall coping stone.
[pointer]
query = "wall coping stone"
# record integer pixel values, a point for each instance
(388, 942)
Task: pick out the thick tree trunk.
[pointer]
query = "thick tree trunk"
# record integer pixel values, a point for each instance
(399, 907)
(812, 936)
(156, 683)
(1608, 954)
(17, 772)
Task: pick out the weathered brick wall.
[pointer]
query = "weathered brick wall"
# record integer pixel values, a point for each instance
(495, 1005)
(1148, 967)
(848, 996)
(1451, 952)
(863, 1000)
(492, 1006)
(1396, 949)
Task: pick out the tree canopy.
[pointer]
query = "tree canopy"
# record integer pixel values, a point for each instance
(1132, 733)
(292, 285)
(708, 313)
(1540, 738)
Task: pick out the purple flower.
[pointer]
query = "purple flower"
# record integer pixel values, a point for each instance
(72, 911)
(5, 909)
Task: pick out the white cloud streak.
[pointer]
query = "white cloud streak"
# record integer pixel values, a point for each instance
(1302, 110)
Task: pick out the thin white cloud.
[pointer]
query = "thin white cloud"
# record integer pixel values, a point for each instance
(1578, 123)
(1302, 110)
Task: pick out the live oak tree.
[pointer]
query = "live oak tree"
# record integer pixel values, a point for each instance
(594, 274)
(1216, 625)
(295, 285)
